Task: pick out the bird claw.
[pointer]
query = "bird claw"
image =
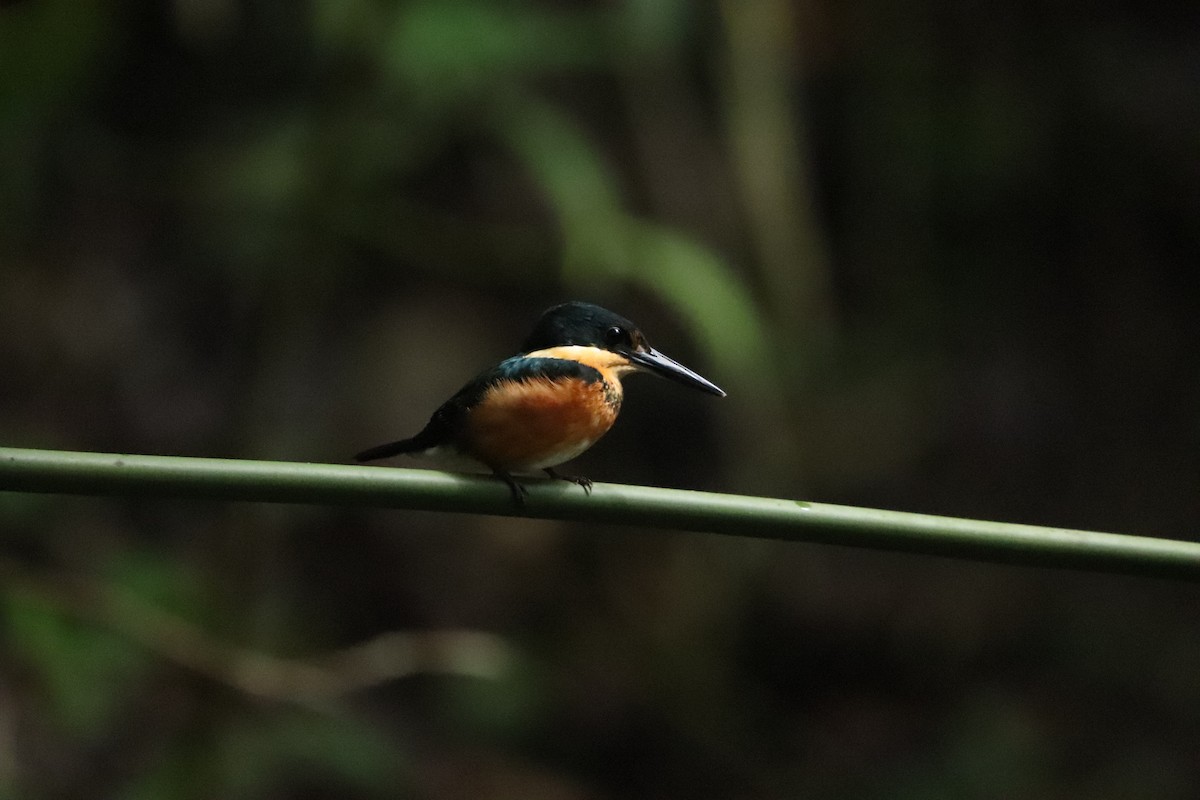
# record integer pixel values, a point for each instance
(518, 491)
(578, 480)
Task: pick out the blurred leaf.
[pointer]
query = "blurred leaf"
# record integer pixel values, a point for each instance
(705, 292)
(455, 48)
(266, 169)
(504, 706)
(85, 671)
(603, 243)
(581, 188)
(165, 584)
(248, 191)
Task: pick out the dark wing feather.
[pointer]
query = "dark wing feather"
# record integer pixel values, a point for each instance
(446, 423)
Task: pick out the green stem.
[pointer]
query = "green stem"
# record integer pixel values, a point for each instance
(734, 515)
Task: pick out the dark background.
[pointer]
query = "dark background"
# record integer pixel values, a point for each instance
(942, 256)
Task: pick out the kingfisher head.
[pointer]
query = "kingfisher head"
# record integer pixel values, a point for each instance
(578, 324)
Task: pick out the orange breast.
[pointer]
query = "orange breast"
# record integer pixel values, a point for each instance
(529, 425)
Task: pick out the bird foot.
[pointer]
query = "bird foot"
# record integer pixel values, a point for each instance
(578, 480)
(518, 491)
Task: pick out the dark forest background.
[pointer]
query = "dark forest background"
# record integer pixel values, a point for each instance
(942, 256)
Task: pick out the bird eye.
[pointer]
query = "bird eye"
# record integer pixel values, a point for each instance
(615, 335)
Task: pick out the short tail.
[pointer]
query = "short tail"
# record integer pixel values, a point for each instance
(390, 449)
(433, 434)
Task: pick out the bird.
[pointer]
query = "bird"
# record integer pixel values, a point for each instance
(547, 404)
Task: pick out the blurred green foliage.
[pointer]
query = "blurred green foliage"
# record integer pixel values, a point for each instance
(85, 671)
(941, 255)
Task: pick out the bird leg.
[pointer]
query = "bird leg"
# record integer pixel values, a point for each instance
(518, 491)
(586, 483)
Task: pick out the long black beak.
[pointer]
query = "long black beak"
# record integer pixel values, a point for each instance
(653, 361)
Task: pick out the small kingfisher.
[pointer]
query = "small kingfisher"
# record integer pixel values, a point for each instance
(547, 404)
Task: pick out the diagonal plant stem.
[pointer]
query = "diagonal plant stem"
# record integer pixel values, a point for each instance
(770, 518)
(317, 682)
